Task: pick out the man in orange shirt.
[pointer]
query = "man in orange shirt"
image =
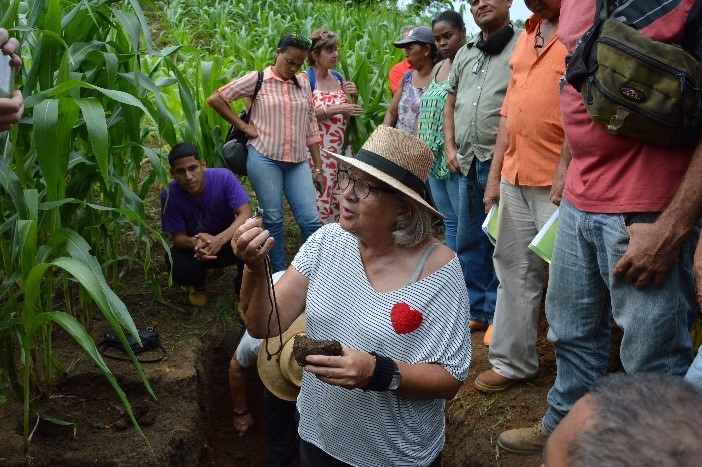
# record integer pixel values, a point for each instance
(527, 153)
(398, 70)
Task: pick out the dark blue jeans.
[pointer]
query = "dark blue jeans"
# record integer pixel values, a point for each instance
(473, 247)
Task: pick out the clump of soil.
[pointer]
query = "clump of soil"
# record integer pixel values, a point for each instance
(304, 346)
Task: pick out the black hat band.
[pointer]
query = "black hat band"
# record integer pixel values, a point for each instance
(395, 171)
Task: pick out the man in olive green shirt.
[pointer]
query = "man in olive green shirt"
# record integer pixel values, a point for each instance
(477, 86)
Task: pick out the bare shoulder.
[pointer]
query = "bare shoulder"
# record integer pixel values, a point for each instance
(439, 257)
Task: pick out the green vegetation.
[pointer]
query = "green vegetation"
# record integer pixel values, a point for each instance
(108, 88)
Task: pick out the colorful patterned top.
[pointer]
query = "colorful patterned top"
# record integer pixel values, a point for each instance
(408, 109)
(430, 124)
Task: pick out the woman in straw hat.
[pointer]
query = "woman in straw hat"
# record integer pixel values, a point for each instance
(382, 285)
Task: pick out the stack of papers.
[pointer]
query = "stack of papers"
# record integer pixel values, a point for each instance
(542, 244)
(490, 224)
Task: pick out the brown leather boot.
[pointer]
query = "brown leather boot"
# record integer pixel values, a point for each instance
(490, 381)
(523, 440)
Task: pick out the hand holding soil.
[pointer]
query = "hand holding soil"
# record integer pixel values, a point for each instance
(352, 369)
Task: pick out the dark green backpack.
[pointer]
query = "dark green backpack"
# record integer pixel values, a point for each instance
(635, 86)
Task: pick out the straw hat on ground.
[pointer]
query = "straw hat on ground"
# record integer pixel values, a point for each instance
(281, 374)
(396, 158)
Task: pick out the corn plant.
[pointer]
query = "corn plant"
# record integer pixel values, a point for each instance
(71, 177)
(230, 38)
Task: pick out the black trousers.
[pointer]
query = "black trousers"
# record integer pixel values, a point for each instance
(281, 429)
(312, 456)
(189, 271)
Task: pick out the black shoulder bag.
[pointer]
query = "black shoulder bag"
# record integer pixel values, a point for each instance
(234, 150)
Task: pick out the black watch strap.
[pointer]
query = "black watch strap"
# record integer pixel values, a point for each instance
(382, 375)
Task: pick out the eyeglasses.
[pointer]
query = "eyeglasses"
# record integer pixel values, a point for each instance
(478, 65)
(361, 188)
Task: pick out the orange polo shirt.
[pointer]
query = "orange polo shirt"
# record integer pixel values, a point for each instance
(532, 107)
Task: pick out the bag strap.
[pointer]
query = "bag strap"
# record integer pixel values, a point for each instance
(313, 78)
(338, 76)
(259, 83)
(601, 12)
(422, 262)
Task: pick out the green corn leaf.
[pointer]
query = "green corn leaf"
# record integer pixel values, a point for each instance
(119, 96)
(10, 183)
(94, 116)
(130, 27)
(27, 231)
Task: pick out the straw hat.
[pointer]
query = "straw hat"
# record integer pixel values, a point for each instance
(396, 158)
(281, 374)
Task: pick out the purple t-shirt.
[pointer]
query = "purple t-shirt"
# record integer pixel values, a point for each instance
(212, 212)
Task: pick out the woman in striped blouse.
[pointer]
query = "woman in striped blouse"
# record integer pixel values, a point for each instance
(380, 284)
(281, 130)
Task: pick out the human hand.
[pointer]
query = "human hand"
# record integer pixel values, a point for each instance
(492, 193)
(452, 159)
(349, 87)
(242, 423)
(353, 369)
(651, 252)
(10, 46)
(250, 131)
(11, 110)
(350, 110)
(251, 243)
(321, 179)
(207, 246)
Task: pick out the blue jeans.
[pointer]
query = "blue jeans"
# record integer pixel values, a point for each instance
(694, 374)
(473, 247)
(583, 296)
(270, 179)
(446, 198)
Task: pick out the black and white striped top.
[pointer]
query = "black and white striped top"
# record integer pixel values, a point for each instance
(426, 321)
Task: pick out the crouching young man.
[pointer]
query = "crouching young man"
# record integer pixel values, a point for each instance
(201, 209)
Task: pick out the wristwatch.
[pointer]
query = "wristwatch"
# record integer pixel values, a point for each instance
(396, 378)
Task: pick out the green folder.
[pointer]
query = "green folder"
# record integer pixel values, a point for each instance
(542, 244)
(490, 224)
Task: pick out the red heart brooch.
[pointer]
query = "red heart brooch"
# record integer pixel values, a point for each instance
(404, 319)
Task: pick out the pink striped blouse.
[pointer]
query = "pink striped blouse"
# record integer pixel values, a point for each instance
(283, 115)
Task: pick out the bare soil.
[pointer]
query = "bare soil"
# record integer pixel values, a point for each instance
(191, 423)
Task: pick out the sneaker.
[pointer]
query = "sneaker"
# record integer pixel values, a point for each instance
(198, 296)
(523, 440)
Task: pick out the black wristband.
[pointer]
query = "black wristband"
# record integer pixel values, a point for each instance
(382, 375)
(239, 414)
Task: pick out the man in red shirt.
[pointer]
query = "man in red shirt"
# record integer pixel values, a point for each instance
(627, 232)
(398, 70)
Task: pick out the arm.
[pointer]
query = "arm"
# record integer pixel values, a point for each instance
(208, 246)
(391, 114)
(492, 188)
(317, 174)
(560, 175)
(222, 108)
(654, 247)
(251, 243)
(347, 110)
(237, 388)
(354, 369)
(450, 134)
(11, 108)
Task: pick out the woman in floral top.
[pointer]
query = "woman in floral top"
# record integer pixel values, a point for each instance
(420, 51)
(449, 32)
(332, 107)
